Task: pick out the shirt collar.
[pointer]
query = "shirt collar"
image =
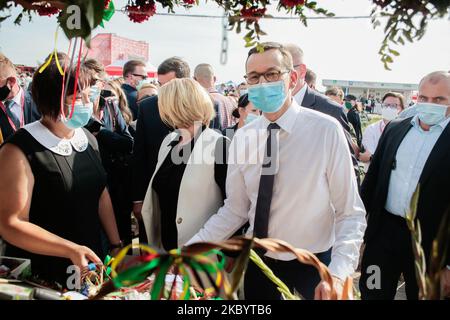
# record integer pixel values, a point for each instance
(442, 124)
(79, 142)
(287, 120)
(18, 97)
(301, 94)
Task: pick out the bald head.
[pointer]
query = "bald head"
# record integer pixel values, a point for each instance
(435, 88)
(204, 74)
(299, 64)
(436, 77)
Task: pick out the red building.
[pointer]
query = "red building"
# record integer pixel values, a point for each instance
(108, 47)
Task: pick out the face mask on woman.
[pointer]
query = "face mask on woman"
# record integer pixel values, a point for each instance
(80, 117)
(94, 93)
(250, 118)
(389, 113)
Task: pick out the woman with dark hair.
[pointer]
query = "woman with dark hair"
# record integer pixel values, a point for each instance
(245, 112)
(53, 196)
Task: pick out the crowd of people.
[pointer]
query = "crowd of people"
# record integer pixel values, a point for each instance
(191, 161)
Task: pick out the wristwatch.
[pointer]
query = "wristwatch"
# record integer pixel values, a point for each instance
(116, 246)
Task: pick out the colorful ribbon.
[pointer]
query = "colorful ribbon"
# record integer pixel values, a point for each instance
(160, 263)
(54, 54)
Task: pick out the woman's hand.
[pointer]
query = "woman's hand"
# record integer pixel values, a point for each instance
(81, 255)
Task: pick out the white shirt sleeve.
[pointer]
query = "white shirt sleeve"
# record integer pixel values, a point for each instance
(234, 213)
(350, 221)
(369, 139)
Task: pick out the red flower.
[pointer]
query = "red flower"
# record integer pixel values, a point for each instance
(292, 3)
(190, 2)
(47, 11)
(143, 11)
(253, 12)
(107, 3)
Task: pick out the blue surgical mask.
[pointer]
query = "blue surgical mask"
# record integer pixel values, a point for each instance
(250, 118)
(80, 117)
(94, 93)
(267, 97)
(431, 113)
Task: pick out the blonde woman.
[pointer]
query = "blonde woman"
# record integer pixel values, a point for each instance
(116, 86)
(188, 185)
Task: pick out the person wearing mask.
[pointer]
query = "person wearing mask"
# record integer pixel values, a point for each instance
(204, 74)
(192, 161)
(17, 107)
(412, 153)
(150, 132)
(303, 166)
(54, 200)
(354, 119)
(245, 113)
(115, 144)
(134, 75)
(393, 103)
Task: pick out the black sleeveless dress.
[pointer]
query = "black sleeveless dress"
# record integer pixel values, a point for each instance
(65, 201)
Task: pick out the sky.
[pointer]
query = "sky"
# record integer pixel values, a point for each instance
(334, 49)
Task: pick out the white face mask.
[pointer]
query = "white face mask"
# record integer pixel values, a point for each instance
(389, 113)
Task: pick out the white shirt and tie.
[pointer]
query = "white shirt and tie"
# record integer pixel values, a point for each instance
(315, 202)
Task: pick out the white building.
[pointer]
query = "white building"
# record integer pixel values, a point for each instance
(376, 90)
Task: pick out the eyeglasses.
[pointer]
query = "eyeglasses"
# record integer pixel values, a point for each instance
(389, 105)
(270, 76)
(143, 76)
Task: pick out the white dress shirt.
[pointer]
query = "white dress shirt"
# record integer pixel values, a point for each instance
(16, 106)
(411, 157)
(372, 135)
(315, 203)
(300, 95)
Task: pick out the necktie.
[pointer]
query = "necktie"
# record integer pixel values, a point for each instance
(268, 171)
(11, 115)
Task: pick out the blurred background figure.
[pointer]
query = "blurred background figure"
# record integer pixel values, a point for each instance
(354, 118)
(17, 107)
(245, 113)
(393, 103)
(134, 74)
(336, 94)
(311, 78)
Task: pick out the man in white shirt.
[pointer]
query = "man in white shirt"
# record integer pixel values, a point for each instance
(306, 194)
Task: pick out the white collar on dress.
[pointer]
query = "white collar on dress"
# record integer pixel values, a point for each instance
(63, 147)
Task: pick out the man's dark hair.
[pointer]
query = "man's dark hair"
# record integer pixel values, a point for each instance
(397, 95)
(177, 65)
(287, 58)
(130, 66)
(47, 86)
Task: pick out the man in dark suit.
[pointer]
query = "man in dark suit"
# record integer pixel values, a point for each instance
(16, 105)
(133, 73)
(150, 132)
(411, 152)
(309, 98)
